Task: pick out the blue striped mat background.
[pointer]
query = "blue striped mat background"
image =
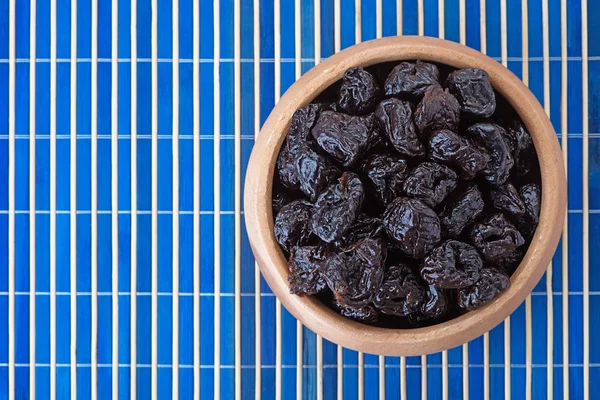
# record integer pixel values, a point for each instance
(268, 30)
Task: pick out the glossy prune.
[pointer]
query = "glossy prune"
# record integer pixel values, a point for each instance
(438, 110)
(305, 266)
(492, 137)
(510, 261)
(506, 198)
(292, 224)
(355, 275)
(359, 92)
(280, 200)
(430, 183)
(435, 304)
(521, 146)
(303, 121)
(367, 314)
(448, 148)
(413, 226)
(337, 207)
(465, 205)
(345, 137)
(364, 227)
(395, 121)
(401, 293)
(496, 237)
(386, 175)
(491, 283)
(473, 90)
(532, 197)
(409, 78)
(452, 265)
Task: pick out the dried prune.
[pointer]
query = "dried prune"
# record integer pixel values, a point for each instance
(411, 79)
(412, 225)
(435, 304)
(521, 146)
(438, 110)
(531, 196)
(465, 205)
(496, 237)
(359, 92)
(491, 283)
(302, 168)
(492, 137)
(355, 276)
(280, 200)
(292, 224)
(302, 122)
(386, 175)
(509, 262)
(395, 119)
(401, 293)
(337, 207)
(506, 198)
(473, 90)
(305, 266)
(430, 183)
(367, 314)
(452, 265)
(345, 137)
(459, 152)
(363, 227)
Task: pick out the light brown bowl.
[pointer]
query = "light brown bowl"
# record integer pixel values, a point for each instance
(403, 342)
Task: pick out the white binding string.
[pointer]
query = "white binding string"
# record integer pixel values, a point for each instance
(52, 244)
(175, 199)
(217, 195)
(237, 195)
(528, 317)
(298, 73)
(154, 301)
(257, 297)
(549, 299)
(73, 204)
(133, 244)
(115, 195)
(277, 77)
(196, 174)
(585, 200)
(32, 195)
(12, 77)
(565, 234)
(94, 201)
(504, 60)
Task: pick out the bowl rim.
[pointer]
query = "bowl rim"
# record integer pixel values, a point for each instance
(418, 341)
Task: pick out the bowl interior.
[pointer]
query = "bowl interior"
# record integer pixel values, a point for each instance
(403, 342)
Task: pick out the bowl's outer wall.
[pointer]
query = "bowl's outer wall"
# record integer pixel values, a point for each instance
(402, 342)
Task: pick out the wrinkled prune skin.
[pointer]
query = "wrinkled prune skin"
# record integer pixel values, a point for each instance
(448, 148)
(521, 145)
(414, 79)
(305, 266)
(496, 237)
(452, 265)
(412, 225)
(303, 121)
(461, 210)
(337, 207)
(364, 227)
(509, 262)
(280, 200)
(492, 137)
(367, 314)
(473, 90)
(506, 198)
(386, 175)
(491, 283)
(345, 137)
(292, 224)
(355, 276)
(532, 197)
(430, 183)
(435, 304)
(302, 168)
(438, 110)
(401, 293)
(359, 92)
(395, 121)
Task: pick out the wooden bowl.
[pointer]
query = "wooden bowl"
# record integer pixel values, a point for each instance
(403, 342)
